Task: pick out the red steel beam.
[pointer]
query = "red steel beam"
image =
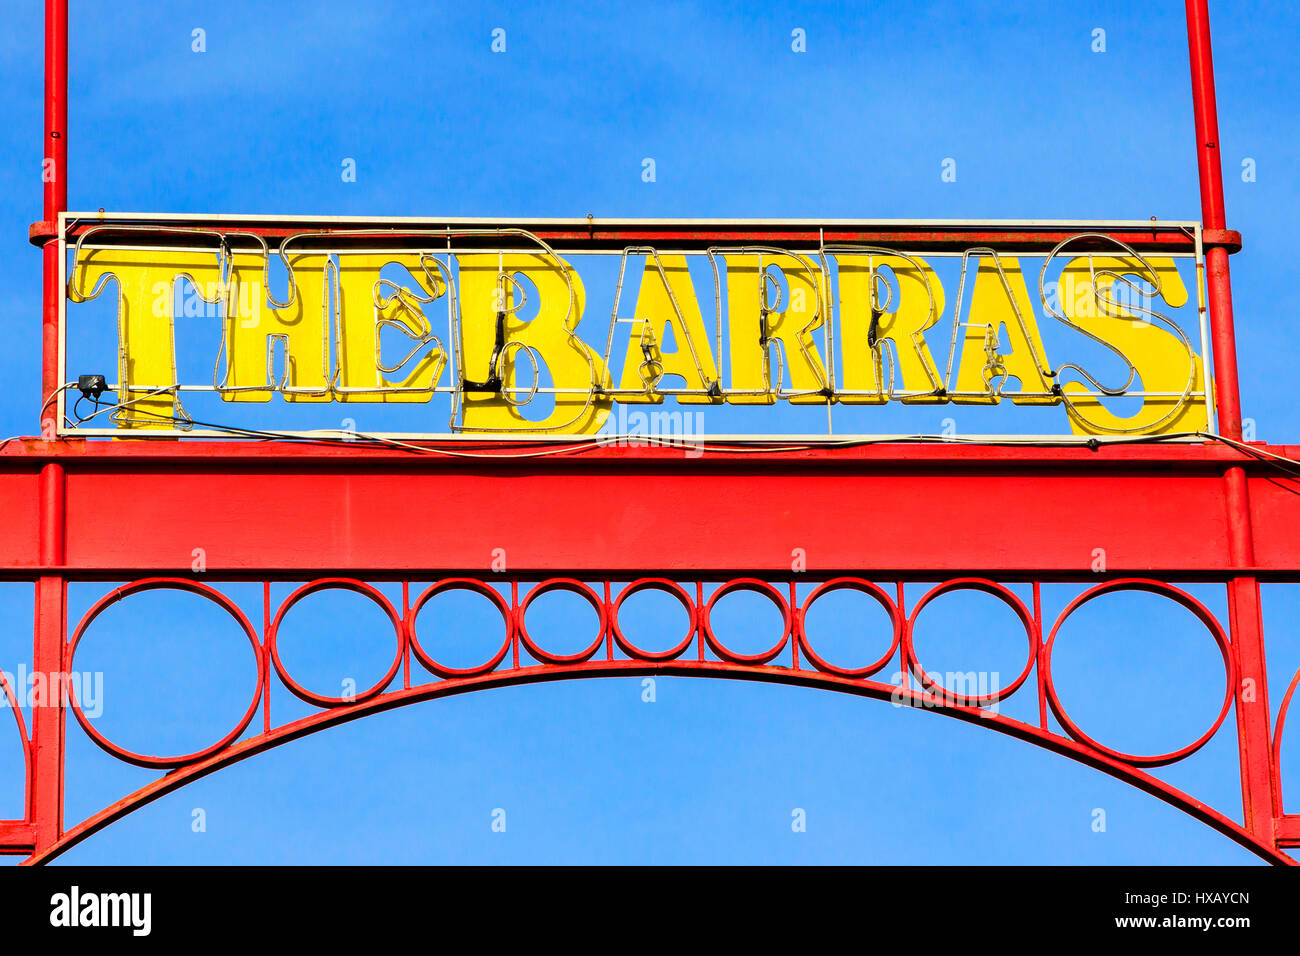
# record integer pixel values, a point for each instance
(911, 509)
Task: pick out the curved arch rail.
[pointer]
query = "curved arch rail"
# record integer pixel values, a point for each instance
(790, 659)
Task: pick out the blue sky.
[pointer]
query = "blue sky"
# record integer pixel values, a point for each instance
(738, 125)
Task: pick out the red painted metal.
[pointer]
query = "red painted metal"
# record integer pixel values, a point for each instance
(1007, 597)
(873, 591)
(48, 717)
(55, 178)
(1218, 284)
(191, 587)
(347, 584)
(758, 587)
(459, 584)
(1074, 743)
(653, 584)
(48, 720)
(1039, 512)
(619, 234)
(973, 516)
(1257, 767)
(573, 587)
(1200, 612)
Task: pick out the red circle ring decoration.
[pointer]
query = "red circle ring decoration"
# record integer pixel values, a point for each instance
(862, 586)
(473, 586)
(1179, 597)
(167, 584)
(343, 584)
(758, 587)
(575, 587)
(668, 587)
(1007, 597)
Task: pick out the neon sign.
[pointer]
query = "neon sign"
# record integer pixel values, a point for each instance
(489, 316)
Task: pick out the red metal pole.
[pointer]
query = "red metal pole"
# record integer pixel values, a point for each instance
(1218, 282)
(46, 794)
(54, 176)
(1246, 618)
(48, 712)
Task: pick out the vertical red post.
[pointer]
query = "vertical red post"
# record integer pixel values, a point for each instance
(51, 627)
(1246, 618)
(46, 793)
(54, 175)
(1217, 279)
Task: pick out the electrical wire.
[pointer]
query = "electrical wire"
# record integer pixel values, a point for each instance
(1289, 466)
(54, 395)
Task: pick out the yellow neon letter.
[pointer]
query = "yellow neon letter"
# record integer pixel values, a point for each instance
(748, 289)
(492, 398)
(146, 321)
(1161, 361)
(985, 362)
(254, 327)
(646, 361)
(864, 331)
(360, 321)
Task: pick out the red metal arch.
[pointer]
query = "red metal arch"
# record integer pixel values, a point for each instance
(1074, 744)
(717, 669)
